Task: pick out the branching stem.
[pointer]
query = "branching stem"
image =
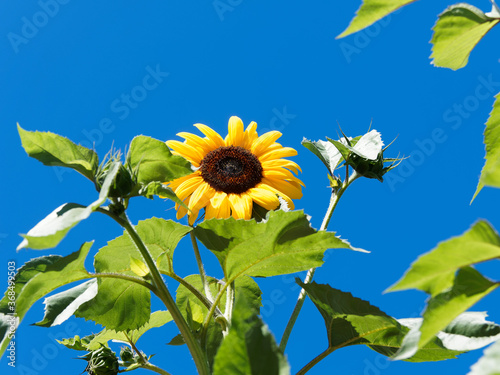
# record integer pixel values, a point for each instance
(334, 199)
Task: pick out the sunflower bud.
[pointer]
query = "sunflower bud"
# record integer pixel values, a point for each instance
(102, 361)
(365, 155)
(125, 181)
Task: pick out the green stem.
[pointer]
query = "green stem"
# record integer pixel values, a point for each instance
(229, 302)
(133, 279)
(202, 298)
(311, 364)
(150, 366)
(162, 292)
(203, 276)
(211, 313)
(334, 199)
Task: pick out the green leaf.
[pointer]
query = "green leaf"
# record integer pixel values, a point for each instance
(243, 286)
(43, 275)
(53, 150)
(325, 151)
(121, 304)
(489, 363)
(470, 331)
(160, 189)
(434, 272)
(60, 306)
(77, 343)
(249, 348)
(370, 12)
(157, 319)
(154, 161)
(285, 243)
(51, 230)
(468, 288)
(352, 321)
(138, 267)
(490, 175)
(457, 31)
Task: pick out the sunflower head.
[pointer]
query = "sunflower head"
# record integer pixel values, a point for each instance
(232, 173)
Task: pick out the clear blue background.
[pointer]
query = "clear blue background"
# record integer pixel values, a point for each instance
(258, 60)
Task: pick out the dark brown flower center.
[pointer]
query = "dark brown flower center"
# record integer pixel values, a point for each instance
(231, 169)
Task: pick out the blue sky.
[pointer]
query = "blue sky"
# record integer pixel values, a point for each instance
(101, 73)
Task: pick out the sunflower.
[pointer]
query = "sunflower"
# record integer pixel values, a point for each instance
(232, 173)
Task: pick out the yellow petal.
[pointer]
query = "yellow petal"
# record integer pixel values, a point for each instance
(281, 163)
(235, 134)
(218, 199)
(198, 142)
(287, 199)
(277, 153)
(192, 217)
(241, 206)
(186, 151)
(188, 187)
(260, 146)
(218, 207)
(201, 196)
(264, 198)
(281, 174)
(250, 135)
(181, 211)
(212, 135)
(224, 209)
(175, 183)
(288, 188)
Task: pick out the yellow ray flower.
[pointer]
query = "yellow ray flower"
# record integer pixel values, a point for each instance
(234, 172)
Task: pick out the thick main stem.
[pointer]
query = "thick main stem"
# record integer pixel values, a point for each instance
(334, 199)
(163, 293)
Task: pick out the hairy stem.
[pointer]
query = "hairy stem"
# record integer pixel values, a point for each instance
(315, 361)
(334, 199)
(150, 366)
(133, 279)
(162, 292)
(229, 302)
(202, 298)
(203, 276)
